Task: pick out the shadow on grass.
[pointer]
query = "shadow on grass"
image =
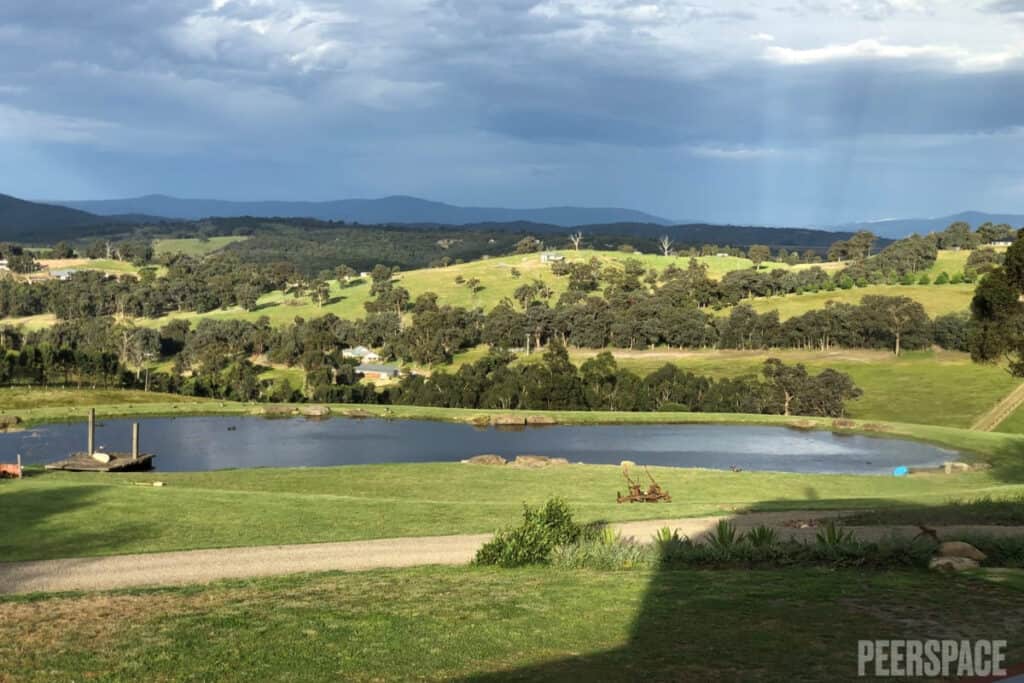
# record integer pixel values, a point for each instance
(794, 623)
(30, 519)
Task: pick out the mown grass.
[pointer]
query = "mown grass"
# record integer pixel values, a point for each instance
(193, 246)
(477, 624)
(60, 514)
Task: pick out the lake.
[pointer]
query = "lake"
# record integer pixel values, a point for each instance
(210, 443)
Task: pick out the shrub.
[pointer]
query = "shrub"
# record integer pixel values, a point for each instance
(762, 537)
(956, 279)
(942, 279)
(724, 536)
(924, 280)
(532, 542)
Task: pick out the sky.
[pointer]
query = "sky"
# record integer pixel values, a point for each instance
(775, 112)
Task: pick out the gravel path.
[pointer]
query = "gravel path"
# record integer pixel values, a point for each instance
(202, 566)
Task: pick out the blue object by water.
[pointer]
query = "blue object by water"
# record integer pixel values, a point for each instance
(900, 471)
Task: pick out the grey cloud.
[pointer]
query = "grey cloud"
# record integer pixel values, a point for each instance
(1004, 7)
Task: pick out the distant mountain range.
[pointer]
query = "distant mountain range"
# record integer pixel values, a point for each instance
(396, 209)
(37, 222)
(901, 227)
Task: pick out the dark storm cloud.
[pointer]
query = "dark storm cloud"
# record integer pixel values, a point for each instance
(475, 101)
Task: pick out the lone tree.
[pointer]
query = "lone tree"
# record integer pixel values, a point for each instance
(665, 242)
(759, 253)
(897, 315)
(576, 238)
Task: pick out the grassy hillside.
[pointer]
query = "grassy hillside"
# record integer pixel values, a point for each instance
(497, 282)
(193, 246)
(936, 299)
(926, 387)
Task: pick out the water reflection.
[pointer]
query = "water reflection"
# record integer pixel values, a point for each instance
(207, 443)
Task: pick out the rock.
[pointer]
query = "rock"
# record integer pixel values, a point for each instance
(508, 420)
(9, 421)
(951, 467)
(557, 461)
(627, 463)
(486, 459)
(961, 549)
(358, 413)
(532, 461)
(314, 411)
(479, 420)
(802, 425)
(101, 457)
(158, 484)
(952, 564)
(843, 424)
(278, 410)
(541, 420)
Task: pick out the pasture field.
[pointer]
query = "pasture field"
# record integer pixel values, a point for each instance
(926, 387)
(193, 246)
(936, 299)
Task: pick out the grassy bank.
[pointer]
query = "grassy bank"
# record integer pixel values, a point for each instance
(61, 514)
(493, 625)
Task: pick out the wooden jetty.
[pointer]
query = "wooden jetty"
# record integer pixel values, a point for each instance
(119, 462)
(91, 461)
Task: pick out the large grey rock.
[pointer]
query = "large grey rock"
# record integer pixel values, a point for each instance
(486, 459)
(952, 564)
(961, 549)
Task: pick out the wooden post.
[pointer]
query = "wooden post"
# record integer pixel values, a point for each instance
(92, 432)
(21, 473)
(135, 441)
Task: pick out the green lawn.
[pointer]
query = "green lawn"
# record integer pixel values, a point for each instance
(193, 246)
(476, 624)
(60, 514)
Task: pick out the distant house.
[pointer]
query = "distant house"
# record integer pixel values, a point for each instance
(3, 264)
(362, 354)
(997, 243)
(551, 257)
(721, 254)
(63, 274)
(364, 274)
(373, 371)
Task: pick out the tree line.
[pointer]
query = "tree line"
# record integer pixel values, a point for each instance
(554, 383)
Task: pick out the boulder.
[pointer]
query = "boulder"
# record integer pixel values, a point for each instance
(952, 564)
(479, 420)
(101, 457)
(358, 413)
(486, 459)
(951, 467)
(532, 461)
(627, 463)
(961, 549)
(508, 420)
(557, 461)
(314, 411)
(802, 425)
(9, 421)
(278, 410)
(541, 420)
(843, 424)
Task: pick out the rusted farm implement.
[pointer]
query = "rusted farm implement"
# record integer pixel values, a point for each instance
(636, 494)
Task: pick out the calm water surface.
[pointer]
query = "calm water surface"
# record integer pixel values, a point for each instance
(210, 443)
